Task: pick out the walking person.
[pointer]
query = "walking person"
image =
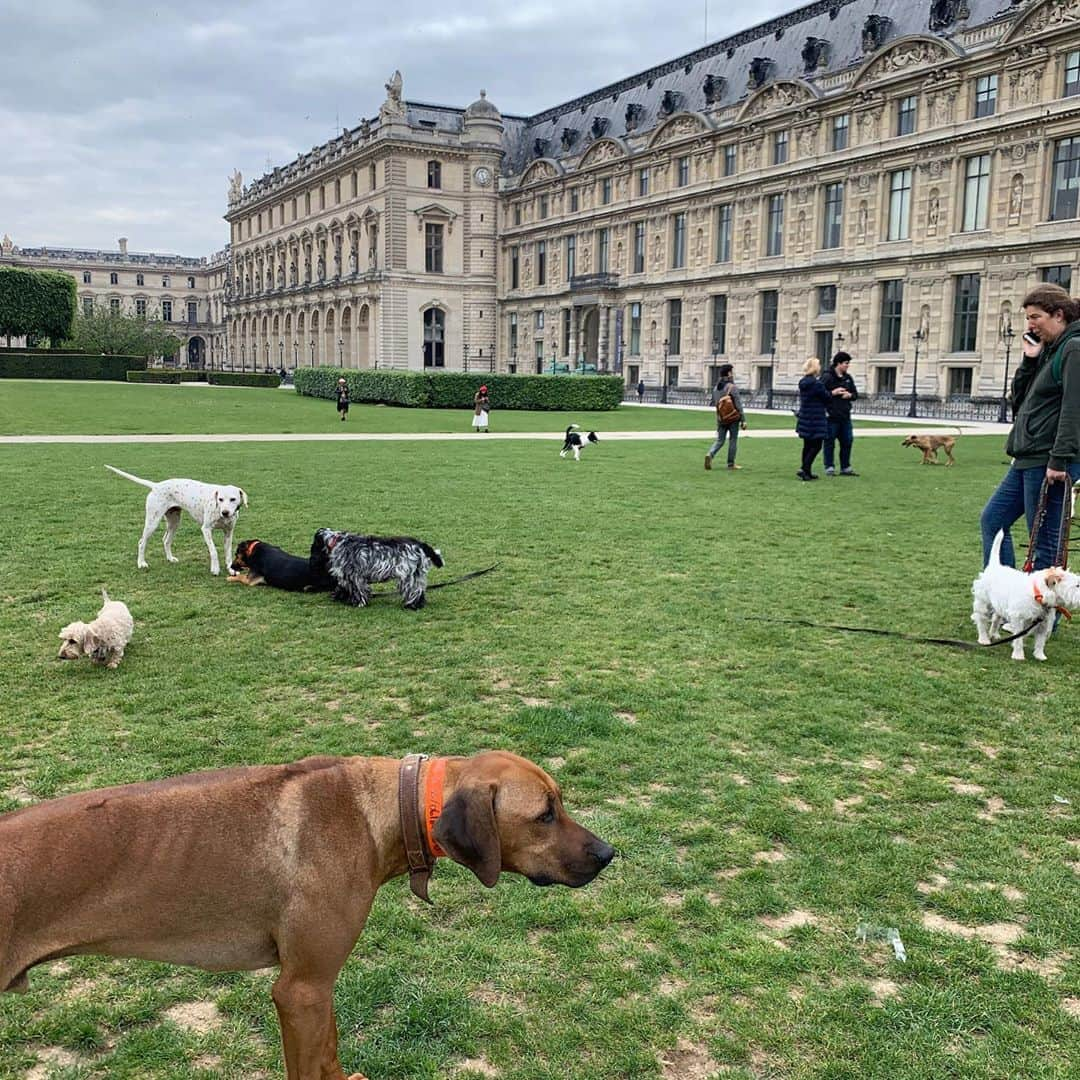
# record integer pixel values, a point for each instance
(343, 399)
(813, 421)
(481, 405)
(1044, 441)
(640, 391)
(842, 393)
(730, 418)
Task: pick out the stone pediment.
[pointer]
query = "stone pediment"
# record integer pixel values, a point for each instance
(776, 97)
(543, 169)
(680, 126)
(905, 55)
(435, 212)
(1048, 15)
(602, 150)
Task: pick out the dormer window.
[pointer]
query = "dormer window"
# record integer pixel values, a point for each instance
(760, 72)
(540, 147)
(599, 126)
(875, 32)
(671, 101)
(713, 88)
(634, 113)
(569, 137)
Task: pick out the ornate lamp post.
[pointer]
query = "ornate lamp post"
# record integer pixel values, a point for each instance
(663, 375)
(281, 354)
(553, 356)
(715, 350)
(243, 358)
(466, 357)
(340, 346)
(772, 374)
(312, 352)
(1005, 334)
(295, 351)
(918, 337)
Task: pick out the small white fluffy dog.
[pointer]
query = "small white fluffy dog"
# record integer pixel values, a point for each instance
(1008, 599)
(104, 639)
(211, 505)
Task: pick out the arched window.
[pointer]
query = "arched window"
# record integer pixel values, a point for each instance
(434, 338)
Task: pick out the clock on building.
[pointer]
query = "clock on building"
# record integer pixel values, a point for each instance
(482, 175)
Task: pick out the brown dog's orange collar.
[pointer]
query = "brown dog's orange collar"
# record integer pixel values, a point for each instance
(433, 802)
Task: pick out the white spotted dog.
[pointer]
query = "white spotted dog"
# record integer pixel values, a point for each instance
(575, 441)
(1010, 600)
(354, 563)
(213, 506)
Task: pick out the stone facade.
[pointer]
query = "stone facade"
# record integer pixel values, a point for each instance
(882, 176)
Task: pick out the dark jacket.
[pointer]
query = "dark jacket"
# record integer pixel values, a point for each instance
(839, 408)
(1046, 404)
(813, 422)
(721, 390)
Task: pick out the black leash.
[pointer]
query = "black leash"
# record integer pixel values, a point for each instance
(955, 643)
(443, 584)
(1061, 554)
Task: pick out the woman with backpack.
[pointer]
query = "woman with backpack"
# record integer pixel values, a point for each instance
(730, 419)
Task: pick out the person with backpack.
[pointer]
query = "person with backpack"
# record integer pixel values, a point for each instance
(1044, 441)
(730, 418)
(842, 393)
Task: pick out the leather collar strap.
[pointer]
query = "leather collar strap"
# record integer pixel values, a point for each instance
(1037, 591)
(420, 848)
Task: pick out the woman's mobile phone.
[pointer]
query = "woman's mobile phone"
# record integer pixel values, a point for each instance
(1030, 338)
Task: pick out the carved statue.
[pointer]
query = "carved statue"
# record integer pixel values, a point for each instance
(800, 232)
(924, 321)
(934, 210)
(393, 88)
(236, 186)
(1016, 196)
(746, 237)
(393, 108)
(855, 327)
(861, 220)
(794, 328)
(740, 336)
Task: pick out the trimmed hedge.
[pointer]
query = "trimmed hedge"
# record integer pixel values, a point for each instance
(456, 389)
(154, 375)
(67, 365)
(241, 378)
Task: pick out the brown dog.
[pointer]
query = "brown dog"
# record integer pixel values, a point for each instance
(244, 868)
(930, 445)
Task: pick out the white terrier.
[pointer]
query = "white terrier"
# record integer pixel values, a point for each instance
(104, 639)
(1008, 599)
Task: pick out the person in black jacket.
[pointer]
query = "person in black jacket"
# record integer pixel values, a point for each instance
(342, 393)
(813, 421)
(842, 393)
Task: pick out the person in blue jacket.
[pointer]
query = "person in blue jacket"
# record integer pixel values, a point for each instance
(812, 425)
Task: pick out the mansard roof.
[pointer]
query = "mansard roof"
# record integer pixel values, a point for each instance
(814, 41)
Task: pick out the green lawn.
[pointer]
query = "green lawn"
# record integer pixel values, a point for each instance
(59, 408)
(768, 786)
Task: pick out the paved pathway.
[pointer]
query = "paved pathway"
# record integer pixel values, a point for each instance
(964, 427)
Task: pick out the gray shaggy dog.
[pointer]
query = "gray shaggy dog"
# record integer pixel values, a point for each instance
(355, 562)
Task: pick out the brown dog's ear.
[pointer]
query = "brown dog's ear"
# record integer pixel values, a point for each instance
(1054, 576)
(243, 495)
(467, 832)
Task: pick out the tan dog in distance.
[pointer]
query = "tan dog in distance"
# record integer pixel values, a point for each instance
(930, 445)
(244, 868)
(104, 639)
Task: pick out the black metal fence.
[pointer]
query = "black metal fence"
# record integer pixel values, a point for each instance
(929, 408)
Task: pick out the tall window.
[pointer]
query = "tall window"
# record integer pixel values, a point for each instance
(774, 236)
(731, 159)
(191, 283)
(719, 324)
(193, 311)
(639, 247)
(513, 333)
(603, 245)
(683, 171)
(643, 181)
(435, 337)
(1072, 75)
(539, 320)
(635, 329)
(959, 382)
(433, 248)
(833, 222)
(674, 327)
(966, 313)
(541, 262)
(1057, 275)
(140, 280)
(434, 174)
(88, 305)
(166, 311)
(780, 147)
(986, 90)
(826, 300)
(976, 192)
(885, 380)
(723, 233)
(907, 110)
(605, 190)
(114, 279)
(140, 307)
(515, 267)
(770, 307)
(114, 305)
(165, 281)
(567, 318)
(840, 132)
(892, 311)
(517, 213)
(542, 210)
(86, 278)
(678, 241)
(573, 200)
(900, 205)
(571, 256)
(1066, 179)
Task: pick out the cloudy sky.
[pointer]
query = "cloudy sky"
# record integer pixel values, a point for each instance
(121, 118)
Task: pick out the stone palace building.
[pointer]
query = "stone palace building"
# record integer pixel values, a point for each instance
(886, 176)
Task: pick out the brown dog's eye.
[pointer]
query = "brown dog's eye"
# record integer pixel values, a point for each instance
(547, 817)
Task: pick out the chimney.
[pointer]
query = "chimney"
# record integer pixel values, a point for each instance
(123, 245)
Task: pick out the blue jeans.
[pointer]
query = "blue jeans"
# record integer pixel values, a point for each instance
(723, 433)
(842, 430)
(1018, 496)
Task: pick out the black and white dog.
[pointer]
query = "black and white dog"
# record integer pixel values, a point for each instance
(575, 441)
(355, 562)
